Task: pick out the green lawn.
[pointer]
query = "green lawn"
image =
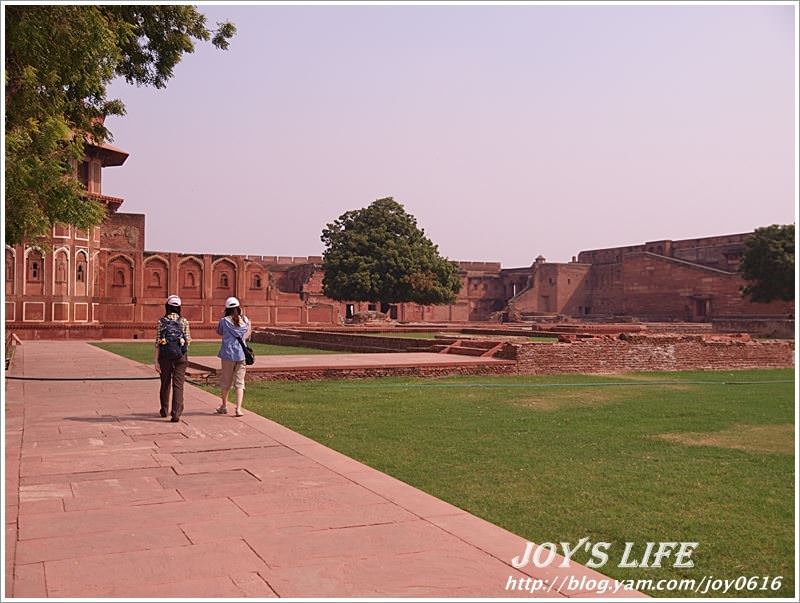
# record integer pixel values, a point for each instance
(142, 351)
(683, 461)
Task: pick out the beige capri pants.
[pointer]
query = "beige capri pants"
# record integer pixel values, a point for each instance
(232, 374)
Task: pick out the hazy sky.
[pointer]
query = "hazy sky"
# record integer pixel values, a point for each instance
(508, 131)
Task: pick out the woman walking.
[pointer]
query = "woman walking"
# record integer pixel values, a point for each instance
(172, 344)
(235, 329)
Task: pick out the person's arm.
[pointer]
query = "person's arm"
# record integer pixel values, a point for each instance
(249, 329)
(219, 326)
(187, 332)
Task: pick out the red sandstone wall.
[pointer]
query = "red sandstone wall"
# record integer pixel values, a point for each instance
(656, 288)
(782, 328)
(649, 353)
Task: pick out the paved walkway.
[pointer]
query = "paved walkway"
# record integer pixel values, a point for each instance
(106, 499)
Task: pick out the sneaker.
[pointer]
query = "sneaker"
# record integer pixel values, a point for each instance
(174, 419)
(222, 410)
(163, 413)
(238, 414)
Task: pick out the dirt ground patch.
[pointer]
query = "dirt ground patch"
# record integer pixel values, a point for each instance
(550, 399)
(754, 438)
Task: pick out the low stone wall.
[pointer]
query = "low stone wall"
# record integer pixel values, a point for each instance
(297, 374)
(686, 328)
(780, 328)
(347, 342)
(649, 353)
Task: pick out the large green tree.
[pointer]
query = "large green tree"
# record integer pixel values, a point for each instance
(768, 264)
(59, 61)
(379, 254)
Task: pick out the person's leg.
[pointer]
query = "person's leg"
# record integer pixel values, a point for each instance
(178, 379)
(225, 379)
(166, 384)
(239, 400)
(238, 383)
(224, 397)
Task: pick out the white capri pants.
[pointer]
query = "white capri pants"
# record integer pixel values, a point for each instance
(232, 374)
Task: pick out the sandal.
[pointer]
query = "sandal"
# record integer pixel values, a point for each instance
(222, 410)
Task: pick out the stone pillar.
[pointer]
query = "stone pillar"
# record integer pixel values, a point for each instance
(173, 282)
(241, 278)
(208, 288)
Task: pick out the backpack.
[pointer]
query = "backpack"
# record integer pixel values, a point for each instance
(172, 345)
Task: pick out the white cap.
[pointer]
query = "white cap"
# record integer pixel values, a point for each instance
(231, 302)
(173, 300)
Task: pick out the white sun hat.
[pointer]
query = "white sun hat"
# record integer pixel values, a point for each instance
(231, 302)
(174, 300)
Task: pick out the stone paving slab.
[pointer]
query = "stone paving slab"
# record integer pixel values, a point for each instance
(106, 499)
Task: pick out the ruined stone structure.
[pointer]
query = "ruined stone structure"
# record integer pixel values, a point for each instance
(685, 280)
(104, 284)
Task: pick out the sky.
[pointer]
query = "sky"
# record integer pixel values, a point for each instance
(508, 131)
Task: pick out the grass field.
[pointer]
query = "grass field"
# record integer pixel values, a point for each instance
(703, 457)
(142, 351)
(683, 461)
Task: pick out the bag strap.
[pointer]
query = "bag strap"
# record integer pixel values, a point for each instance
(241, 343)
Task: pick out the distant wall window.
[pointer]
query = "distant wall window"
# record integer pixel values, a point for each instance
(223, 280)
(80, 274)
(34, 268)
(190, 279)
(119, 278)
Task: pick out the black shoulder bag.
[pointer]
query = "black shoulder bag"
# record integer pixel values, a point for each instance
(249, 354)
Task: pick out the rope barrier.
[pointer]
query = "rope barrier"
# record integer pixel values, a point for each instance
(543, 385)
(15, 378)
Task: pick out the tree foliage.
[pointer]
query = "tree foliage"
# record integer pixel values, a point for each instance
(378, 254)
(59, 61)
(768, 264)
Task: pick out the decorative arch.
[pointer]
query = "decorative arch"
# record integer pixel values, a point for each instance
(61, 271)
(11, 270)
(82, 273)
(119, 277)
(156, 276)
(223, 274)
(34, 272)
(190, 278)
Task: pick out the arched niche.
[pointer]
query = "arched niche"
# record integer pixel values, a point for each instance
(156, 277)
(34, 272)
(61, 272)
(223, 279)
(119, 277)
(256, 282)
(81, 273)
(190, 278)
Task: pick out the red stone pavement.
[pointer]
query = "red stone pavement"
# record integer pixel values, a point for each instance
(106, 499)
